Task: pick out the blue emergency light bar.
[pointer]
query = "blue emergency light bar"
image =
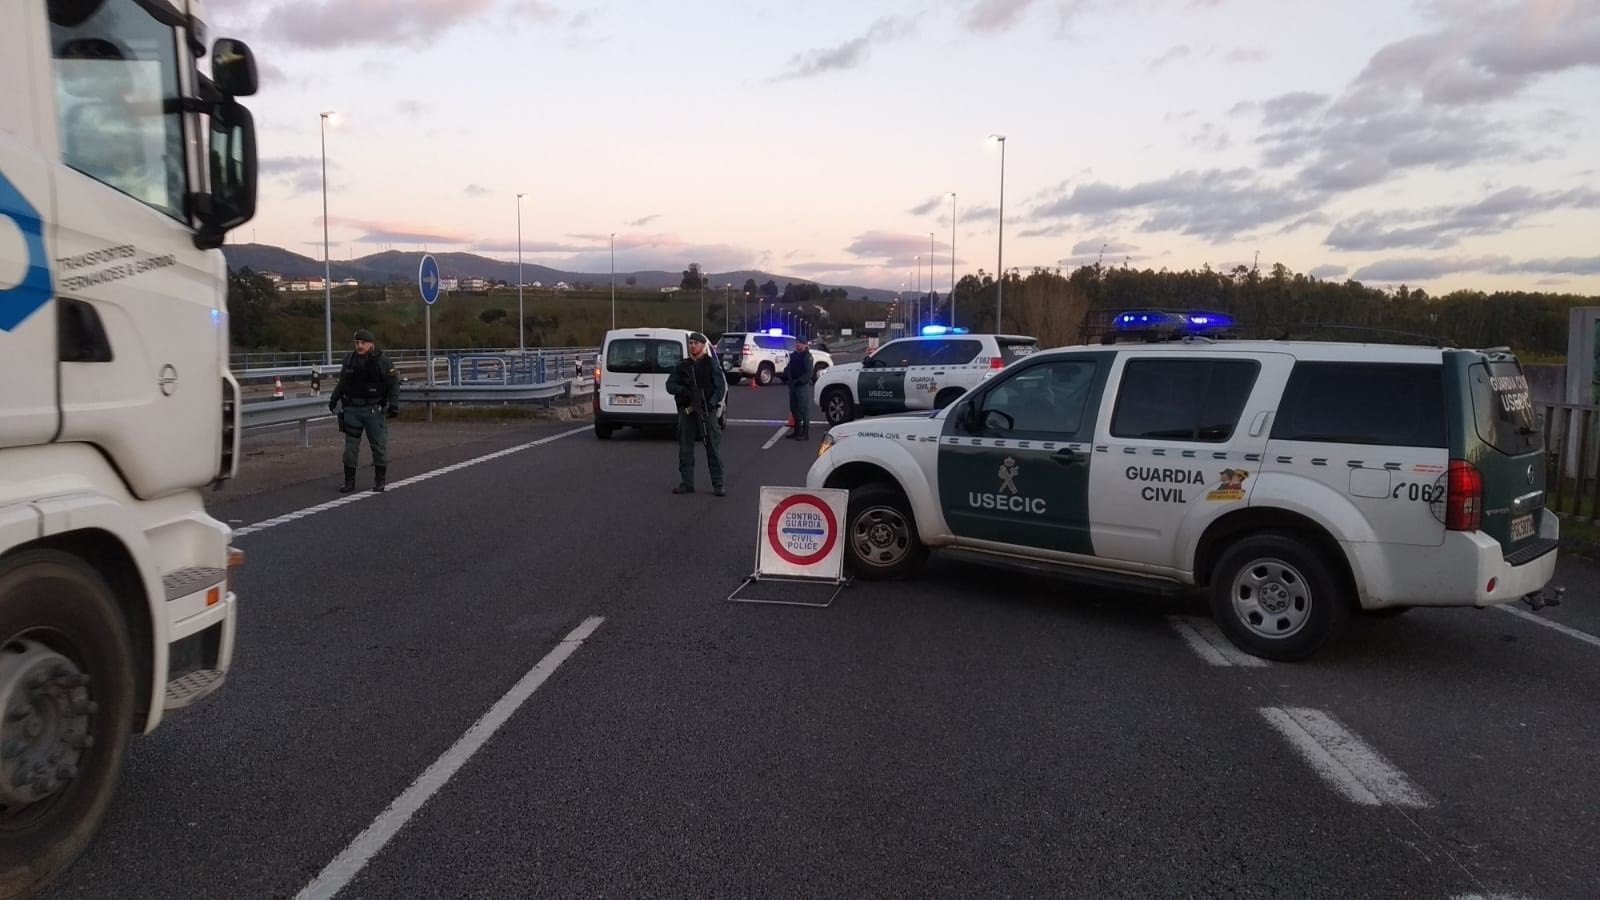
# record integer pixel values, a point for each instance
(928, 330)
(1193, 322)
(775, 331)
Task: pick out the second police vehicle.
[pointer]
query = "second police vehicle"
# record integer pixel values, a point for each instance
(1294, 481)
(926, 372)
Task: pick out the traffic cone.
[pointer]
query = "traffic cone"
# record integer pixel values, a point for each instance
(789, 422)
(277, 388)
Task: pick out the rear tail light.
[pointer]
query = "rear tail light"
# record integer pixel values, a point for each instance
(744, 351)
(996, 362)
(1464, 502)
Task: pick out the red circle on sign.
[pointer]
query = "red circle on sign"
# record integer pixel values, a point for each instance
(795, 559)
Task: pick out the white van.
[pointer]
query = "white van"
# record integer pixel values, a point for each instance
(630, 379)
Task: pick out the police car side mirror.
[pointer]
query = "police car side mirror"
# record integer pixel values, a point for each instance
(995, 420)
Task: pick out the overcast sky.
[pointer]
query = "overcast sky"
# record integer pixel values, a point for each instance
(1440, 143)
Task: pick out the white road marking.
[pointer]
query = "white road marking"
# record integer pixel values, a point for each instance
(1347, 763)
(368, 843)
(1208, 641)
(782, 430)
(364, 494)
(783, 422)
(1584, 636)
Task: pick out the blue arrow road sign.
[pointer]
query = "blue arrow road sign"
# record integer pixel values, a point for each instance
(428, 279)
(23, 299)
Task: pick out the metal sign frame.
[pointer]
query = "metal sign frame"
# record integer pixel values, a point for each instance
(781, 500)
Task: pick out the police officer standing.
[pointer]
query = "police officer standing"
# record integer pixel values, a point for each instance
(369, 388)
(699, 387)
(798, 374)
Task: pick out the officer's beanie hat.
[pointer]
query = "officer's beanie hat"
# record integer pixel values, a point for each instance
(698, 337)
(364, 335)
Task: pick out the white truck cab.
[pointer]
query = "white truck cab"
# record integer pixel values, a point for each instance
(1295, 481)
(121, 169)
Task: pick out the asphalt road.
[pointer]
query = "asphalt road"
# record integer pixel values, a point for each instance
(914, 739)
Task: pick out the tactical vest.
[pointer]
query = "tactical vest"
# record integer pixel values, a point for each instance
(363, 377)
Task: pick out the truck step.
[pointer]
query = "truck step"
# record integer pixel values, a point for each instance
(183, 691)
(183, 582)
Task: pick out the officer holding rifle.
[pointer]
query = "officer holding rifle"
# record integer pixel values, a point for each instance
(698, 385)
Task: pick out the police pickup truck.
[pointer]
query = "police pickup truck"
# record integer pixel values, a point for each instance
(1294, 482)
(926, 372)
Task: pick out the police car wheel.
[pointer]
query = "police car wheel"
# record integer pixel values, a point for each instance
(836, 406)
(765, 374)
(881, 534)
(1277, 597)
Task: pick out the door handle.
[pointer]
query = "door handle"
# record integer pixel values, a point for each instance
(938, 373)
(1259, 424)
(1066, 456)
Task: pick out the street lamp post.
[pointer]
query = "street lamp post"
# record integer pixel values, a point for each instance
(933, 308)
(952, 259)
(999, 286)
(327, 267)
(522, 340)
(613, 281)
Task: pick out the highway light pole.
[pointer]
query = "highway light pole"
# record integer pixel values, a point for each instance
(952, 259)
(522, 340)
(613, 281)
(327, 267)
(999, 286)
(933, 309)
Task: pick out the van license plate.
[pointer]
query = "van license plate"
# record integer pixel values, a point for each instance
(626, 400)
(1522, 528)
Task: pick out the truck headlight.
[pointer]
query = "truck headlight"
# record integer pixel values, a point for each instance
(826, 445)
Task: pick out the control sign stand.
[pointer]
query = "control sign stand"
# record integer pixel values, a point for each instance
(798, 542)
(428, 284)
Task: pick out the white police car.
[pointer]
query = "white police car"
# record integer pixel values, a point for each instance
(1294, 481)
(763, 355)
(912, 373)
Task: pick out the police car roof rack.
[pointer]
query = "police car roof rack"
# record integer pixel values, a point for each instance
(1428, 340)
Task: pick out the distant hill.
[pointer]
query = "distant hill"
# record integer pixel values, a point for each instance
(396, 265)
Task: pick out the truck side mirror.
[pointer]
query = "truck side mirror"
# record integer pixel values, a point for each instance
(233, 68)
(233, 165)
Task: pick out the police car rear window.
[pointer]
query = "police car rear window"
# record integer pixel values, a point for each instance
(1380, 404)
(731, 342)
(1182, 399)
(1502, 406)
(1013, 350)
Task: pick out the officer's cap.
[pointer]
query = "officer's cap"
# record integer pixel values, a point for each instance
(364, 335)
(696, 337)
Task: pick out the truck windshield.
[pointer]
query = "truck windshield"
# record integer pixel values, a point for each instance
(116, 86)
(1502, 405)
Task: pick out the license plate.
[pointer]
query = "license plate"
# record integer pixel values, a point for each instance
(627, 400)
(1521, 528)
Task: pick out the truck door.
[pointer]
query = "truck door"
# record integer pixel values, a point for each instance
(1015, 458)
(881, 388)
(28, 413)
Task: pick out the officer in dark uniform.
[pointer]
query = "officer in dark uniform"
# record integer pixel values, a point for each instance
(369, 388)
(798, 374)
(698, 385)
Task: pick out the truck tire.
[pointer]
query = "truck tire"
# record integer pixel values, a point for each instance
(836, 406)
(1275, 595)
(880, 534)
(765, 374)
(65, 655)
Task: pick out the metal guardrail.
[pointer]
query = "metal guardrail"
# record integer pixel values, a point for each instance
(304, 360)
(303, 411)
(1572, 443)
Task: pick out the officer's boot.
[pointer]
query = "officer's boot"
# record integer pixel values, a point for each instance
(349, 480)
(380, 479)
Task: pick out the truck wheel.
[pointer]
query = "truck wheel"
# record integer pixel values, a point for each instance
(66, 712)
(836, 406)
(1277, 597)
(881, 534)
(765, 374)
(946, 397)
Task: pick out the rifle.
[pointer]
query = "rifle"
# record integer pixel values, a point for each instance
(697, 403)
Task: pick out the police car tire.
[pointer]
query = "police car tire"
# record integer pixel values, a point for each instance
(878, 496)
(836, 413)
(765, 374)
(53, 593)
(1299, 563)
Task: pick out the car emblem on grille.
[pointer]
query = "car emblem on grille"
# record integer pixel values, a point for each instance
(1530, 473)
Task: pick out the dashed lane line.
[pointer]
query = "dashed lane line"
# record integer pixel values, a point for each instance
(1348, 764)
(347, 865)
(358, 496)
(1211, 645)
(1569, 631)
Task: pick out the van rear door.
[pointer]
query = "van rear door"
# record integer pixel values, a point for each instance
(1505, 444)
(625, 386)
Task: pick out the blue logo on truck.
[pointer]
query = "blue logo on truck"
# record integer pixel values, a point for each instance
(19, 302)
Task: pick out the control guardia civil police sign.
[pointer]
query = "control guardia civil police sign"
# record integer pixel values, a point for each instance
(799, 539)
(24, 267)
